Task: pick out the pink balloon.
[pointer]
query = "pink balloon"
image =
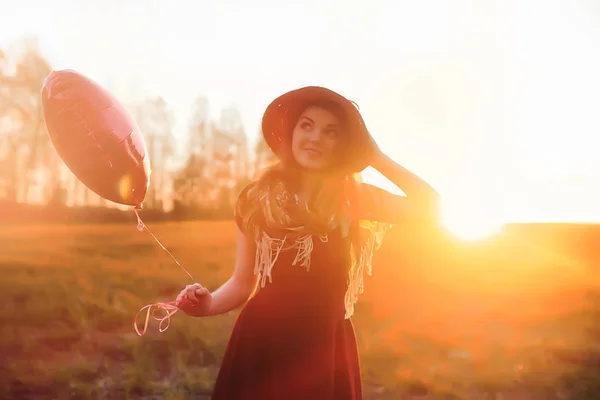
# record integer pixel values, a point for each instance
(96, 137)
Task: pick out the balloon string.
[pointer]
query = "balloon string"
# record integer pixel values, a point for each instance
(141, 226)
(169, 308)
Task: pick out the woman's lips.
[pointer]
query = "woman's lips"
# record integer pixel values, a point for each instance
(313, 151)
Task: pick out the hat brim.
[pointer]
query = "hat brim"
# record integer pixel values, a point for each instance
(283, 112)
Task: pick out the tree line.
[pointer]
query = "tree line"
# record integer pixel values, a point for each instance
(218, 158)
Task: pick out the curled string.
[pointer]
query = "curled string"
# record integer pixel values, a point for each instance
(169, 308)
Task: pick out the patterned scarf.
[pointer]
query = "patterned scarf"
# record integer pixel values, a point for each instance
(283, 211)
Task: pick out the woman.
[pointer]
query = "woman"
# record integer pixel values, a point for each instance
(306, 234)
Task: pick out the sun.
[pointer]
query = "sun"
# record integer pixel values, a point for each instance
(472, 229)
(471, 223)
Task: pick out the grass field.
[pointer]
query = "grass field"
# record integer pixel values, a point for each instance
(506, 320)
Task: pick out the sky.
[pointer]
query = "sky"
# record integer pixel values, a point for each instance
(495, 103)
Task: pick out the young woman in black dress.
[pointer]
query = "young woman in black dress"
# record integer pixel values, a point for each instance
(307, 230)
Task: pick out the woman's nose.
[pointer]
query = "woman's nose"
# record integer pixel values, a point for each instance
(315, 135)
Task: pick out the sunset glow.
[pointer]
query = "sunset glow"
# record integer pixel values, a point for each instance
(469, 225)
(496, 106)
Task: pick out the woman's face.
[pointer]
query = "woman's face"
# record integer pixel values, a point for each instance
(315, 138)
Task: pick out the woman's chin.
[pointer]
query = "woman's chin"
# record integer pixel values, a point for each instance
(316, 170)
(312, 165)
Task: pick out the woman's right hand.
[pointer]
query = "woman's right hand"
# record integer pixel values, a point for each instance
(194, 300)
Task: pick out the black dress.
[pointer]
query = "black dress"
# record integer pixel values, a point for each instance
(291, 340)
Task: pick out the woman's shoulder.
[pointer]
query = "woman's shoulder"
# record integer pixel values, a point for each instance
(247, 206)
(248, 190)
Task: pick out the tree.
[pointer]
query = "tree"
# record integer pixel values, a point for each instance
(198, 128)
(28, 151)
(188, 184)
(230, 156)
(191, 185)
(217, 163)
(155, 119)
(263, 156)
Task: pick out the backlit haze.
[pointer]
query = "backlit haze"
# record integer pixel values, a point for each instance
(497, 104)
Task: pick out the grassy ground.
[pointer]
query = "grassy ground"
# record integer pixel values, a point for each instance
(504, 321)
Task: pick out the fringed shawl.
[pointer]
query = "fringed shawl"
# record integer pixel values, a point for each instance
(281, 210)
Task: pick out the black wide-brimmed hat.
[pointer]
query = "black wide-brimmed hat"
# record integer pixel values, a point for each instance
(282, 114)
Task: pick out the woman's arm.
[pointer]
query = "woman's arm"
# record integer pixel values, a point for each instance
(421, 201)
(236, 291)
(198, 302)
(415, 188)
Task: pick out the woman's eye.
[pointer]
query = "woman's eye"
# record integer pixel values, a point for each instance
(305, 125)
(331, 133)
